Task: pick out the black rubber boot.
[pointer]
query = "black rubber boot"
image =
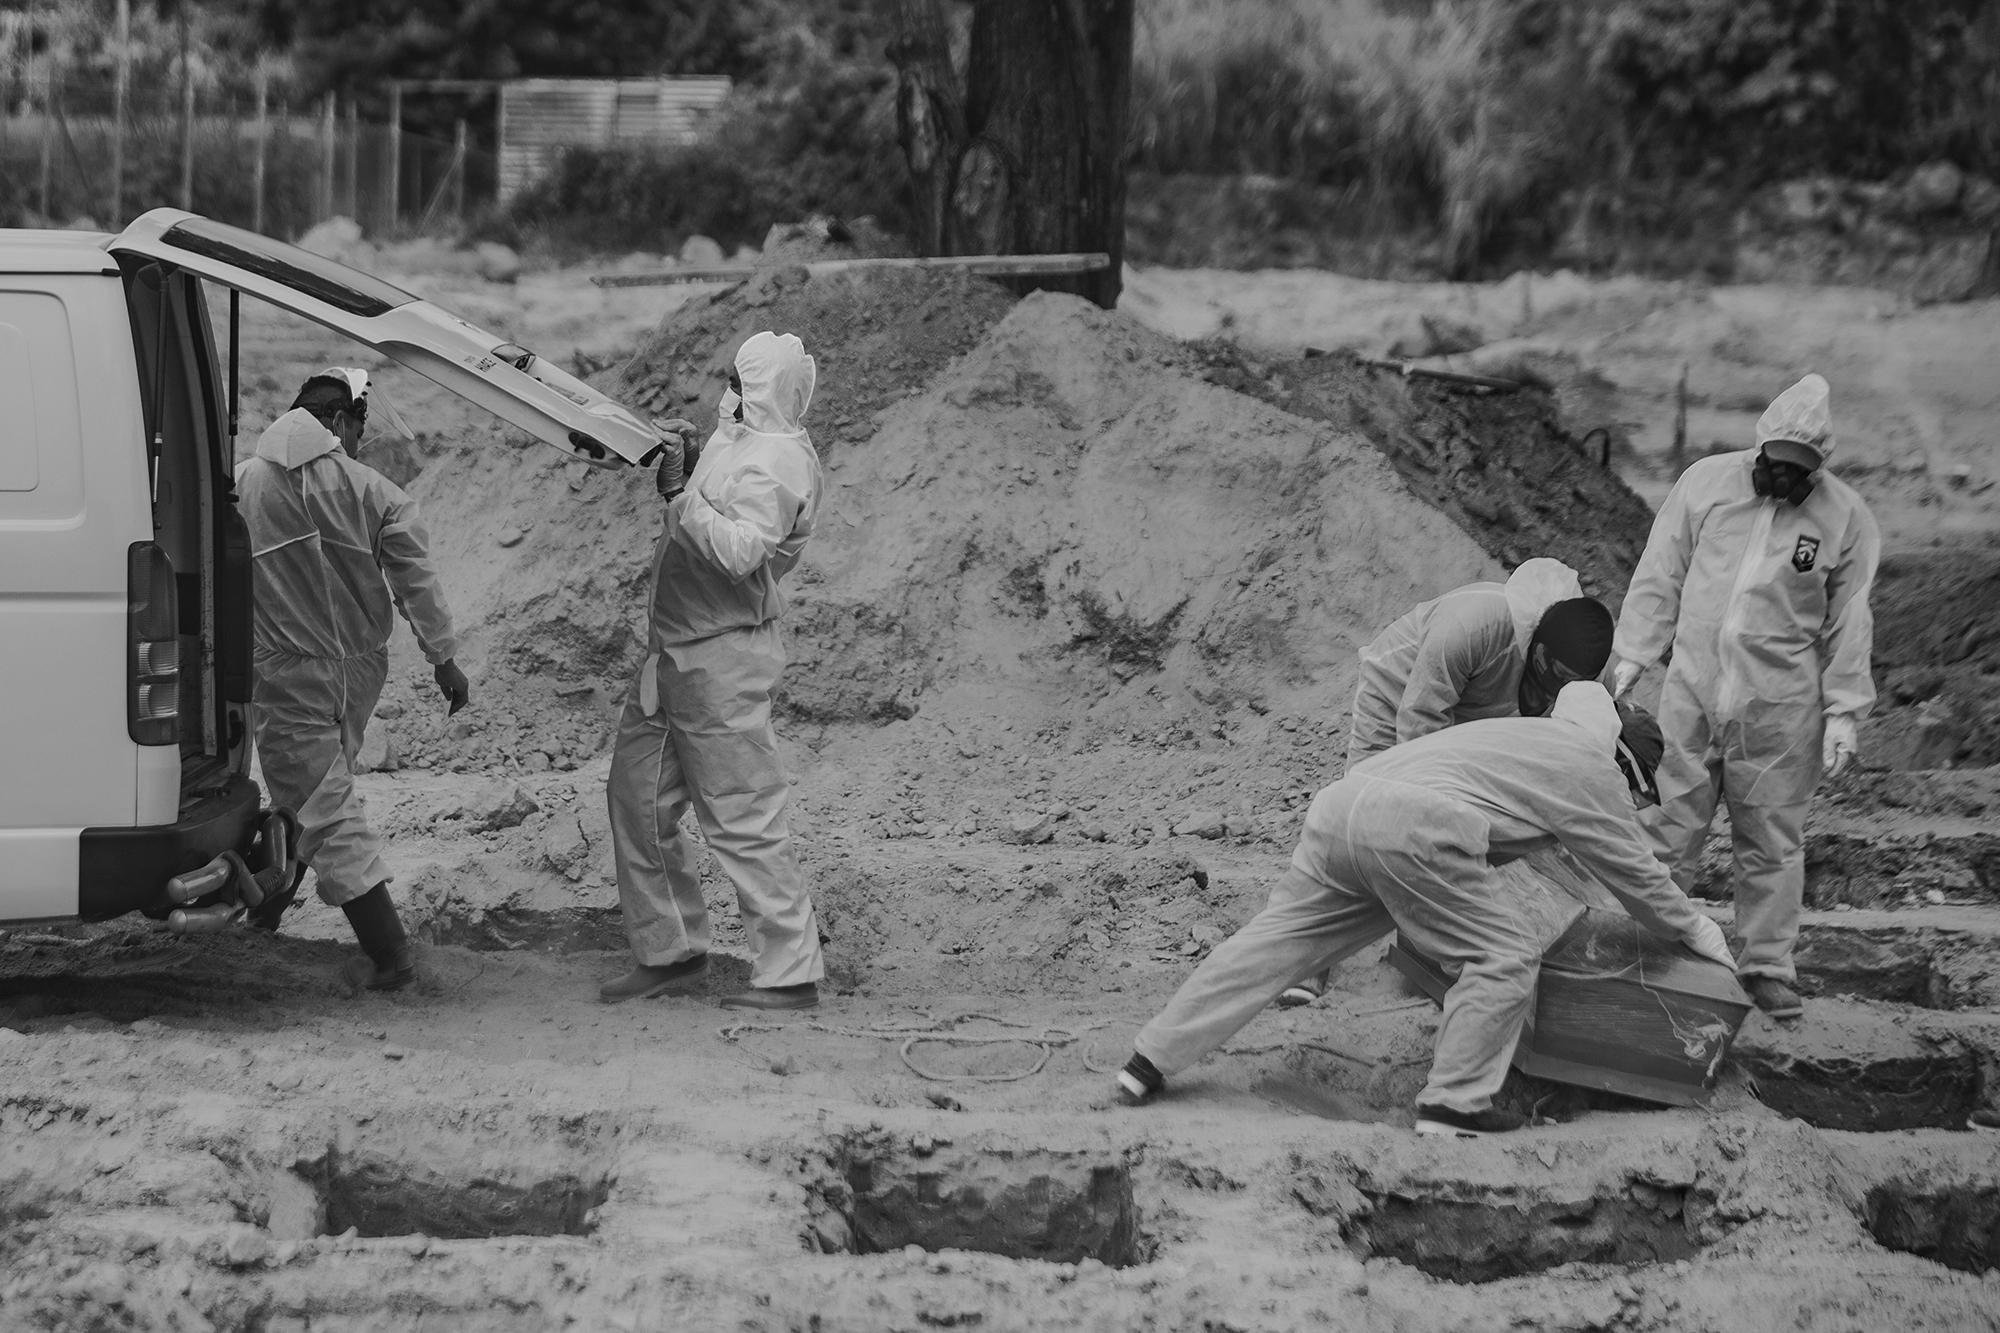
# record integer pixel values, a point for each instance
(391, 963)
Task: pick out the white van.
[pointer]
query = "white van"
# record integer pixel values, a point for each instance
(125, 587)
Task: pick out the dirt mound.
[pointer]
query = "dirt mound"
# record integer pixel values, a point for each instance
(549, 561)
(1072, 509)
(1937, 654)
(1068, 509)
(1508, 467)
(877, 335)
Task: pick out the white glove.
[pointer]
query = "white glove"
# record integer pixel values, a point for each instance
(1837, 751)
(1623, 677)
(649, 685)
(1706, 939)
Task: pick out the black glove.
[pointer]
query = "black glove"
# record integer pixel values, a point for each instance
(453, 684)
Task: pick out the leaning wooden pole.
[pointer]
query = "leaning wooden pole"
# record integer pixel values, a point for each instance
(992, 266)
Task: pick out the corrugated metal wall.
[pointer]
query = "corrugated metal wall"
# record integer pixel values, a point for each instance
(541, 117)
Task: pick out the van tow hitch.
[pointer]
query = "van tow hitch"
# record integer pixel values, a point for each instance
(229, 879)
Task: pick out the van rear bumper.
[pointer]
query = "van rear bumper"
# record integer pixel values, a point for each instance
(122, 870)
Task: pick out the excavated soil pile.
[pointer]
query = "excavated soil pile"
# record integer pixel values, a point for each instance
(1508, 466)
(876, 336)
(1937, 659)
(1072, 512)
(1059, 502)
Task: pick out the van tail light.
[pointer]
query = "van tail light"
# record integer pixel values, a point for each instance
(153, 696)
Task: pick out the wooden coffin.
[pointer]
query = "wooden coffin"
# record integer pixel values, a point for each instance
(1618, 1010)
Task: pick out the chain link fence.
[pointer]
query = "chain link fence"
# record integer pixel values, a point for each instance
(242, 150)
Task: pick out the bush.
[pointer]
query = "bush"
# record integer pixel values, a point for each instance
(825, 144)
(223, 181)
(1511, 125)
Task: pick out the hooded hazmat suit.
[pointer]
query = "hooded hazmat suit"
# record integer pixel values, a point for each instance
(337, 549)
(1453, 659)
(696, 729)
(1765, 605)
(1405, 841)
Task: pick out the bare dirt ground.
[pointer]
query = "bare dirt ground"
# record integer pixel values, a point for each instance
(1070, 654)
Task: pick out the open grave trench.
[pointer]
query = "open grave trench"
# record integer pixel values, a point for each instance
(1604, 1209)
(293, 1208)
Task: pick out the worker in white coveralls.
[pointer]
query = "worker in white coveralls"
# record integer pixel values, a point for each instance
(337, 549)
(1406, 841)
(696, 730)
(1483, 650)
(1757, 575)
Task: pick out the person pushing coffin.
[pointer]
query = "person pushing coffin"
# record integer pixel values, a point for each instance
(1407, 841)
(1480, 651)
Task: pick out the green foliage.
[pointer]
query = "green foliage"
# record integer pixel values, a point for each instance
(1516, 123)
(355, 43)
(1792, 86)
(826, 144)
(223, 179)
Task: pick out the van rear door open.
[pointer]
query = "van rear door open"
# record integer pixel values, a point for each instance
(509, 381)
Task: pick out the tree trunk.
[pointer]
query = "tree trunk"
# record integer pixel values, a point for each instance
(1031, 161)
(1988, 281)
(930, 117)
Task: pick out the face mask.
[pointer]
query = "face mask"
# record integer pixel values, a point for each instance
(1781, 481)
(730, 408)
(1537, 694)
(1542, 683)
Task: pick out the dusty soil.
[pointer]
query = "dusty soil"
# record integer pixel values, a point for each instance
(1070, 654)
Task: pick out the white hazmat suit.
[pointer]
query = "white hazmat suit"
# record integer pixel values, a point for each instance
(1406, 841)
(337, 549)
(1456, 658)
(1765, 605)
(696, 730)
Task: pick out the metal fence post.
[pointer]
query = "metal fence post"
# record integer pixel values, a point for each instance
(325, 159)
(257, 167)
(122, 80)
(353, 159)
(395, 153)
(48, 118)
(187, 121)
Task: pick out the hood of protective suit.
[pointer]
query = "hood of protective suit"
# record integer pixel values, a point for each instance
(295, 439)
(1588, 705)
(778, 379)
(1801, 415)
(1535, 587)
